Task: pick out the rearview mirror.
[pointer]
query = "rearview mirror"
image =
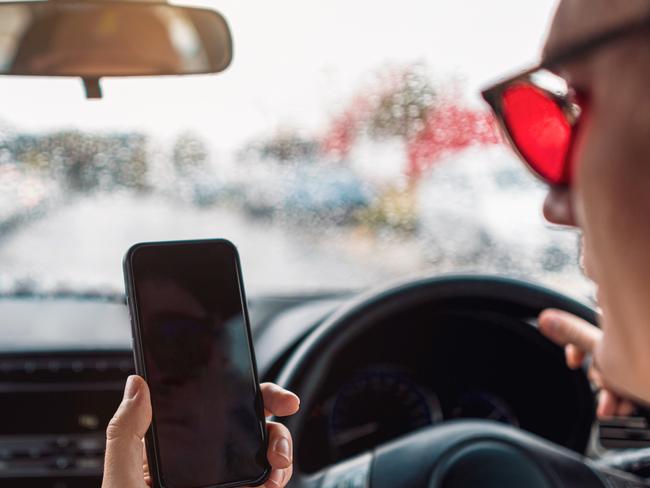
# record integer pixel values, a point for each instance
(96, 39)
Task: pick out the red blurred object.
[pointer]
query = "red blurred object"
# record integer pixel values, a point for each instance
(446, 126)
(344, 129)
(449, 128)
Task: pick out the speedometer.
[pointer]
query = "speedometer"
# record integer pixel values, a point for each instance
(484, 405)
(376, 406)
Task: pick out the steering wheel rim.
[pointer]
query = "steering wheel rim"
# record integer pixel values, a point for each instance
(307, 366)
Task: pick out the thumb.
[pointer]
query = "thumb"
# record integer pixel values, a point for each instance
(124, 434)
(564, 328)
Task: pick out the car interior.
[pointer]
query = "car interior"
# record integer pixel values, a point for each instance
(433, 378)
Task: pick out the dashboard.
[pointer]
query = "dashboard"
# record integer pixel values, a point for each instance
(63, 364)
(64, 359)
(55, 408)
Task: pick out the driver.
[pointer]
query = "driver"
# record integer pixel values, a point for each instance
(600, 184)
(599, 181)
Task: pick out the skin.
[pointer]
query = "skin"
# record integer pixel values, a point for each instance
(125, 464)
(609, 201)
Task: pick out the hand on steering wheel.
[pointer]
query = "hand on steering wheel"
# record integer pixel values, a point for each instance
(579, 339)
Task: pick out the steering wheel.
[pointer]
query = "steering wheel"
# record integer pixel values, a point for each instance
(465, 453)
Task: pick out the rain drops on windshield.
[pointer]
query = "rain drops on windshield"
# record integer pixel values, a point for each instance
(394, 172)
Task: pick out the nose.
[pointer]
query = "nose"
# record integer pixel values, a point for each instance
(558, 207)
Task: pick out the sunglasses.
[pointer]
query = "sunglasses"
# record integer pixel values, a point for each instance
(539, 113)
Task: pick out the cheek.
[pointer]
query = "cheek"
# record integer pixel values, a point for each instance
(589, 209)
(613, 371)
(611, 202)
(585, 260)
(611, 205)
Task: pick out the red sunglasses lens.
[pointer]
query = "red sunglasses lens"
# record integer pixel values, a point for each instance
(539, 129)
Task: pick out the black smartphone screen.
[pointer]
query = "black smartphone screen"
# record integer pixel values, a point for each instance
(192, 332)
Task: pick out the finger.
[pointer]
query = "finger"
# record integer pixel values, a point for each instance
(564, 328)
(288, 473)
(280, 451)
(574, 356)
(278, 401)
(124, 434)
(145, 465)
(625, 408)
(595, 377)
(607, 404)
(278, 478)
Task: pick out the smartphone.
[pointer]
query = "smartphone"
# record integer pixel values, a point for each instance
(192, 344)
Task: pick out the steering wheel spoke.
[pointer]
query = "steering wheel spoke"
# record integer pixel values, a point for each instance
(353, 473)
(464, 454)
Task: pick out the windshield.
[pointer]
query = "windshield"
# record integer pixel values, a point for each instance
(345, 146)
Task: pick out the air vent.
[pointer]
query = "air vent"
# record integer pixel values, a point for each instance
(624, 432)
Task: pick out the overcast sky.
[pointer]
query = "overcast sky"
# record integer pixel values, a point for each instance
(294, 61)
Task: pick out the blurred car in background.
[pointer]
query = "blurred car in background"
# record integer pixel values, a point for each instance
(22, 195)
(331, 192)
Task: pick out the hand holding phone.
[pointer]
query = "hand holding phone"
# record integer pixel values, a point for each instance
(126, 467)
(192, 344)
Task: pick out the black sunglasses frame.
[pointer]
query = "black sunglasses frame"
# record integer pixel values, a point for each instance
(493, 94)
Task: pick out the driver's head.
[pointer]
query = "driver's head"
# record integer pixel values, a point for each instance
(609, 195)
